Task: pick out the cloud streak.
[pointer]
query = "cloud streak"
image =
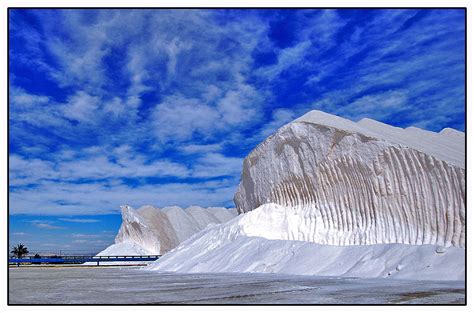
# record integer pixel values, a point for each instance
(47, 226)
(80, 220)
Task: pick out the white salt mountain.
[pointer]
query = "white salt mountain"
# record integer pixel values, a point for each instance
(153, 231)
(361, 183)
(328, 196)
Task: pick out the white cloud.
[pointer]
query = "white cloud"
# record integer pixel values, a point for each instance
(313, 40)
(20, 98)
(173, 49)
(377, 106)
(323, 29)
(82, 107)
(90, 242)
(239, 106)
(36, 110)
(28, 171)
(80, 58)
(80, 220)
(47, 226)
(287, 57)
(216, 164)
(178, 119)
(193, 148)
(100, 167)
(116, 107)
(86, 235)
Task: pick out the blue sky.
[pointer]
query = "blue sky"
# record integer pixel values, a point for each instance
(111, 107)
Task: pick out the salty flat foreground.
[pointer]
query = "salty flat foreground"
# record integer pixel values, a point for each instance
(116, 285)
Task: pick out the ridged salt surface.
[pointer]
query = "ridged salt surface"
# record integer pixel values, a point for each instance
(360, 183)
(247, 244)
(150, 230)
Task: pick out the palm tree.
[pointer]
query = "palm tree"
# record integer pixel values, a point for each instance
(19, 251)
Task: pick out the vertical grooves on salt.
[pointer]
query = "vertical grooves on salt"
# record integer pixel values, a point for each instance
(400, 195)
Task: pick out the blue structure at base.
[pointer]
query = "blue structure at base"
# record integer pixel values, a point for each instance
(83, 259)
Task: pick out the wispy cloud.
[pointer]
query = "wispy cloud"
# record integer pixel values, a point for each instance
(287, 57)
(80, 220)
(216, 164)
(379, 106)
(47, 226)
(91, 242)
(86, 236)
(193, 148)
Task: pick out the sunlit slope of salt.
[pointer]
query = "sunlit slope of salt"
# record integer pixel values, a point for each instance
(150, 230)
(127, 248)
(361, 183)
(184, 224)
(247, 244)
(222, 215)
(124, 248)
(202, 217)
(447, 145)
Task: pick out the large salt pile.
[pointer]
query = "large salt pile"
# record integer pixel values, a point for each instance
(361, 183)
(327, 196)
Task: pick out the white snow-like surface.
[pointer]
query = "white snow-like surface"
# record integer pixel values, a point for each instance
(127, 248)
(360, 183)
(183, 223)
(124, 249)
(447, 145)
(223, 215)
(202, 217)
(153, 231)
(248, 243)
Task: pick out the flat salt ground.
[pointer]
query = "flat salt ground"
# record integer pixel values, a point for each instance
(137, 286)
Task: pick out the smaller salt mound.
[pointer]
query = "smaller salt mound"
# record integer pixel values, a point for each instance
(246, 244)
(149, 230)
